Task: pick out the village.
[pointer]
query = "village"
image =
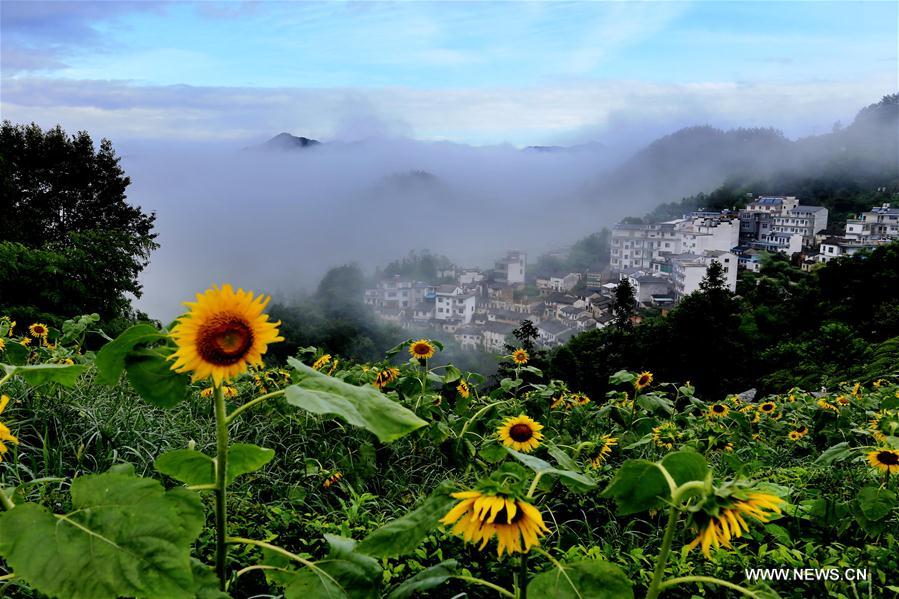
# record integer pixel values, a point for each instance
(662, 262)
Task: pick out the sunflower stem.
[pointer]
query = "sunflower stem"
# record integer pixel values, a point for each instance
(523, 577)
(534, 483)
(253, 402)
(655, 586)
(221, 470)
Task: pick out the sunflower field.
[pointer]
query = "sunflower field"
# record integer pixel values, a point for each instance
(180, 463)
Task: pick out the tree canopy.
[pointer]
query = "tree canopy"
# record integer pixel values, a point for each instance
(72, 244)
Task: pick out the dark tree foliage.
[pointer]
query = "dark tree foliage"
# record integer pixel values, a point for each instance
(624, 307)
(784, 327)
(419, 266)
(71, 243)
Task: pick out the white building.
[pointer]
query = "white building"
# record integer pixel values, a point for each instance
(510, 270)
(452, 303)
(398, 293)
(781, 224)
(688, 270)
(836, 247)
(469, 337)
(495, 334)
(559, 282)
(635, 247)
(879, 223)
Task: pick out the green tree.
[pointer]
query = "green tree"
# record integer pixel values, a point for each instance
(72, 243)
(624, 307)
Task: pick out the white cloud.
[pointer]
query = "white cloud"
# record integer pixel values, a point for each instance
(611, 111)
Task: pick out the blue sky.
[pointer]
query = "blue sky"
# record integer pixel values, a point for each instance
(477, 72)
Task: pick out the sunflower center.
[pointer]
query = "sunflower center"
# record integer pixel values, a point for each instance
(420, 349)
(502, 516)
(225, 341)
(521, 432)
(718, 408)
(888, 458)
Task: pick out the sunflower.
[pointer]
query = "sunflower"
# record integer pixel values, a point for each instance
(520, 357)
(802, 430)
(332, 480)
(842, 400)
(644, 379)
(321, 362)
(885, 460)
(857, 390)
(884, 423)
(223, 333)
(2, 344)
(38, 330)
(478, 517)
(876, 384)
(718, 410)
(26, 341)
(794, 435)
(6, 435)
(462, 389)
(421, 349)
(827, 406)
(521, 433)
(729, 523)
(385, 377)
(768, 407)
(666, 435)
(604, 448)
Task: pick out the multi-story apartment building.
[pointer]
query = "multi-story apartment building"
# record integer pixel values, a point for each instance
(636, 247)
(688, 270)
(510, 269)
(454, 304)
(398, 293)
(866, 231)
(878, 223)
(781, 224)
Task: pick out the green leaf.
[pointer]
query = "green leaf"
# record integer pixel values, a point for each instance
(838, 452)
(61, 374)
(15, 353)
(359, 575)
(685, 466)
(621, 377)
(244, 458)
(492, 453)
(425, 580)
(404, 535)
(876, 503)
(577, 481)
(206, 584)
(151, 375)
(596, 579)
(196, 468)
(188, 466)
(638, 486)
(564, 460)
(344, 573)
(110, 360)
(653, 402)
(127, 536)
(364, 407)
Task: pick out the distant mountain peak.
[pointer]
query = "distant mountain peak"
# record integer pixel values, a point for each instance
(286, 142)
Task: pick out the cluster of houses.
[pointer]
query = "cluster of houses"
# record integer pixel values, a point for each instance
(480, 309)
(663, 262)
(666, 261)
(868, 230)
